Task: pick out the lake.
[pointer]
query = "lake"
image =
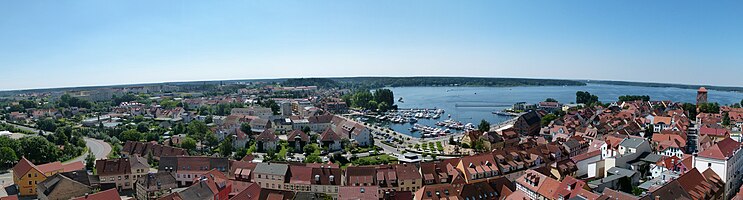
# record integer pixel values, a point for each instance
(472, 104)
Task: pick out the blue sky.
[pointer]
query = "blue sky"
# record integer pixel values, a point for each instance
(75, 43)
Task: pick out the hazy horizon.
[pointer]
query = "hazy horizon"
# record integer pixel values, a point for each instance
(95, 43)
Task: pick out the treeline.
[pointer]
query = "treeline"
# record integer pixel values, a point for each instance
(693, 87)
(381, 99)
(378, 82)
(40, 149)
(634, 98)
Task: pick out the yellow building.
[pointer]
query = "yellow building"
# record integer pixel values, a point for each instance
(26, 175)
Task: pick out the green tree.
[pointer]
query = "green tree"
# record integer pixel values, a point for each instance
(709, 108)
(725, 119)
(131, 135)
(550, 100)
(151, 137)
(245, 128)
(306, 129)
(361, 99)
(39, 150)
(46, 124)
(240, 153)
(548, 118)
(226, 147)
(209, 119)
(143, 127)
(312, 158)
(383, 107)
(89, 161)
(7, 157)
(384, 96)
(691, 109)
(484, 126)
(189, 144)
(586, 98)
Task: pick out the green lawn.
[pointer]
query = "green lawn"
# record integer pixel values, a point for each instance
(375, 160)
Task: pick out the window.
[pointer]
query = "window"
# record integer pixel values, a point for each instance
(29, 182)
(709, 164)
(29, 175)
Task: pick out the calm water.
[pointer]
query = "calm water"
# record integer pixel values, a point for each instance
(472, 104)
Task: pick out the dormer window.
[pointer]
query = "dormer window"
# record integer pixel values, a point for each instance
(317, 178)
(332, 178)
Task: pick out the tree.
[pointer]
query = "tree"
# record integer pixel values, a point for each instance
(484, 126)
(131, 135)
(361, 99)
(709, 108)
(725, 119)
(634, 98)
(383, 107)
(189, 144)
(226, 147)
(548, 118)
(7, 157)
(209, 119)
(151, 137)
(313, 158)
(550, 100)
(143, 127)
(585, 98)
(46, 124)
(90, 161)
(309, 149)
(39, 150)
(306, 129)
(245, 128)
(240, 153)
(384, 96)
(691, 109)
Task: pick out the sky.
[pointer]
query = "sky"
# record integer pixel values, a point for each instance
(49, 44)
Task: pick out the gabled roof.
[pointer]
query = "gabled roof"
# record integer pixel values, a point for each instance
(271, 168)
(267, 136)
(300, 174)
(329, 136)
(157, 181)
(298, 134)
(252, 192)
(722, 150)
(22, 167)
(104, 195)
(358, 192)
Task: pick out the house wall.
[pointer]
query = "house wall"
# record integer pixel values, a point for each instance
(269, 181)
(583, 165)
(27, 182)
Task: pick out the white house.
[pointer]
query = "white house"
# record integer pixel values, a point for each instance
(723, 158)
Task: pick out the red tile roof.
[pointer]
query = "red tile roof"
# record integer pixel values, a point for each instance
(722, 150)
(300, 174)
(358, 192)
(252, 192)
(104, 195)
(329, 136)
(298, 134)
(267, 135)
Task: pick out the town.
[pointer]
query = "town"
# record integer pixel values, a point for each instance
(297, 139)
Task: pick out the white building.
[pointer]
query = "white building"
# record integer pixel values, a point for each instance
(723, 158)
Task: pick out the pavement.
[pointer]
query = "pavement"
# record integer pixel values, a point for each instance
(99, 148)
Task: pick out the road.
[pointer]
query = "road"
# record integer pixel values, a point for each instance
(99, 148)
